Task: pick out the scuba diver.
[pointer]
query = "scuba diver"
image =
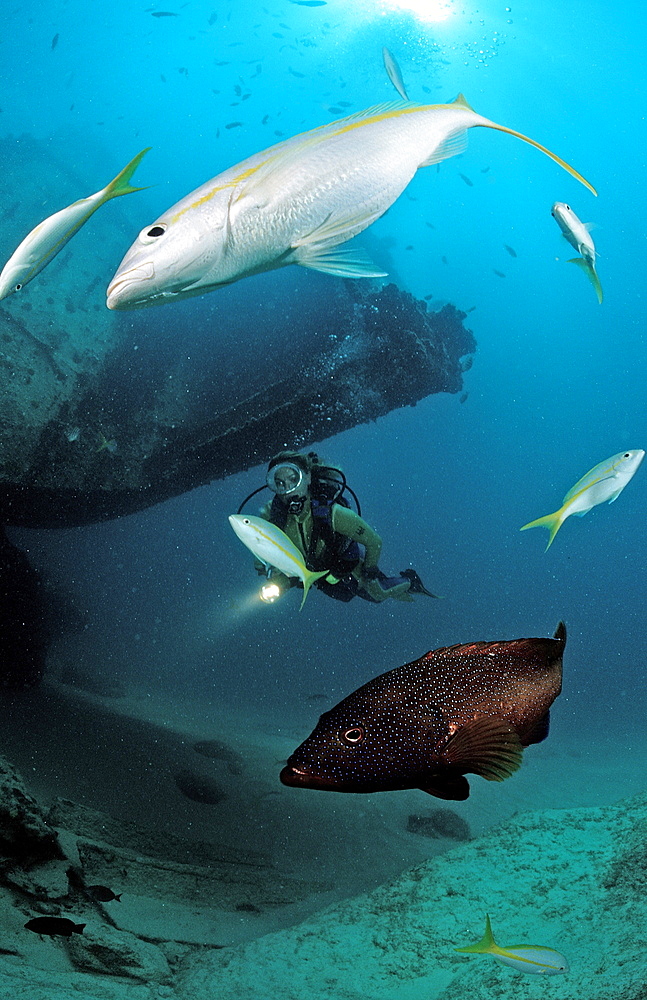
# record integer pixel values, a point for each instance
(309, 506)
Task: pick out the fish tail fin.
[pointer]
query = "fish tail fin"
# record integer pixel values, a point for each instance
(307, 583)
(79, 928)
(487, 944)
(121, 183)
(551, 521)
(592, 274)
(519, 135)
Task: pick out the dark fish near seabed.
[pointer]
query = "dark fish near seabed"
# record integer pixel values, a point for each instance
(54, 926)
(55, 40)
(199, 788)
(163, 13)
(218, 750)
(511, 250)
(102, 893)
(457, 710)
(465, 178)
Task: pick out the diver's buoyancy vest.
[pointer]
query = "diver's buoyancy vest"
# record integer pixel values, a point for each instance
(339, 555)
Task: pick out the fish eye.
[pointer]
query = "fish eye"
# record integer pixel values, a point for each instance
(353, 736)
(568, 208)
(17, 287)
(152, 234)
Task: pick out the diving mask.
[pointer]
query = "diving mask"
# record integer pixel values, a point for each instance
(288, 480)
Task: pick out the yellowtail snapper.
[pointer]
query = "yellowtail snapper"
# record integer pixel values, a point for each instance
(604, 482)
(295, 203)
(531, 958)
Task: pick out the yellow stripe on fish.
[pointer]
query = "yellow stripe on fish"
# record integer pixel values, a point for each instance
(296, 203)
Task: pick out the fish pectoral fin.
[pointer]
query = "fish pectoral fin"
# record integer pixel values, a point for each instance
(488, 746)
(455, 787)
(338, 227)
(451, 146)
(344, 263)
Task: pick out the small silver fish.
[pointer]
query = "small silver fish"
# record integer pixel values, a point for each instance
(49, 237)
(530, 958)
(393, 73)
(578, 234)
(604, 482)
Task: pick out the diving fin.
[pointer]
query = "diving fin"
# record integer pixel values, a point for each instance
(416, 586)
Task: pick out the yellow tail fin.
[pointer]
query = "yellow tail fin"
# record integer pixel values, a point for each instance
(551, 521)
(307, 583)
(538, 145)
(486, 946)
(121, 183)
(591, 273)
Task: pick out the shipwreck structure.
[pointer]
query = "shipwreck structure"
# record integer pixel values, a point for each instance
(103, 414)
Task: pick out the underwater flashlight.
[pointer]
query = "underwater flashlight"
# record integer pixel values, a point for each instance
(270, 592)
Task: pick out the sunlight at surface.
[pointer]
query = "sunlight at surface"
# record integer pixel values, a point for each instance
(424, 10)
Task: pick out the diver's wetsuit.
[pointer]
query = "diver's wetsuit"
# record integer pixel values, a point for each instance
(347, 579)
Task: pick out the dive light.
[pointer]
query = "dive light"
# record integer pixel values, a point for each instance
(270, 592)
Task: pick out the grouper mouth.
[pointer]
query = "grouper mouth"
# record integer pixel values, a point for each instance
(298, 778)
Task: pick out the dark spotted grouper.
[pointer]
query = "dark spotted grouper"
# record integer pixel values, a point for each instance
(457, 710)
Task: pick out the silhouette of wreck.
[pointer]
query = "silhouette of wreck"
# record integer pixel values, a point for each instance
(104, 414)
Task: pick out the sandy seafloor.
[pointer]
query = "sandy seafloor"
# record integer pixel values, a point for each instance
(348, 904)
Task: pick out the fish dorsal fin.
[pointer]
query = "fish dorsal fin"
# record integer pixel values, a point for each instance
(462, 102)
(488, 746)
(560, 632)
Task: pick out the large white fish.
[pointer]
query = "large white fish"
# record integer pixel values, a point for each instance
(578, 234)
(603, 482)
(272, 546)
(50, 236)
(295, 203)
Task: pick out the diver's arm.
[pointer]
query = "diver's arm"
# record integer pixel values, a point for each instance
(347, 522)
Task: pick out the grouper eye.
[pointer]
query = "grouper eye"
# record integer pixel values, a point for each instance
(152, 234)
(353, 736)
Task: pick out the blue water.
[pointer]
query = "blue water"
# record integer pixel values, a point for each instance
(557, 385)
